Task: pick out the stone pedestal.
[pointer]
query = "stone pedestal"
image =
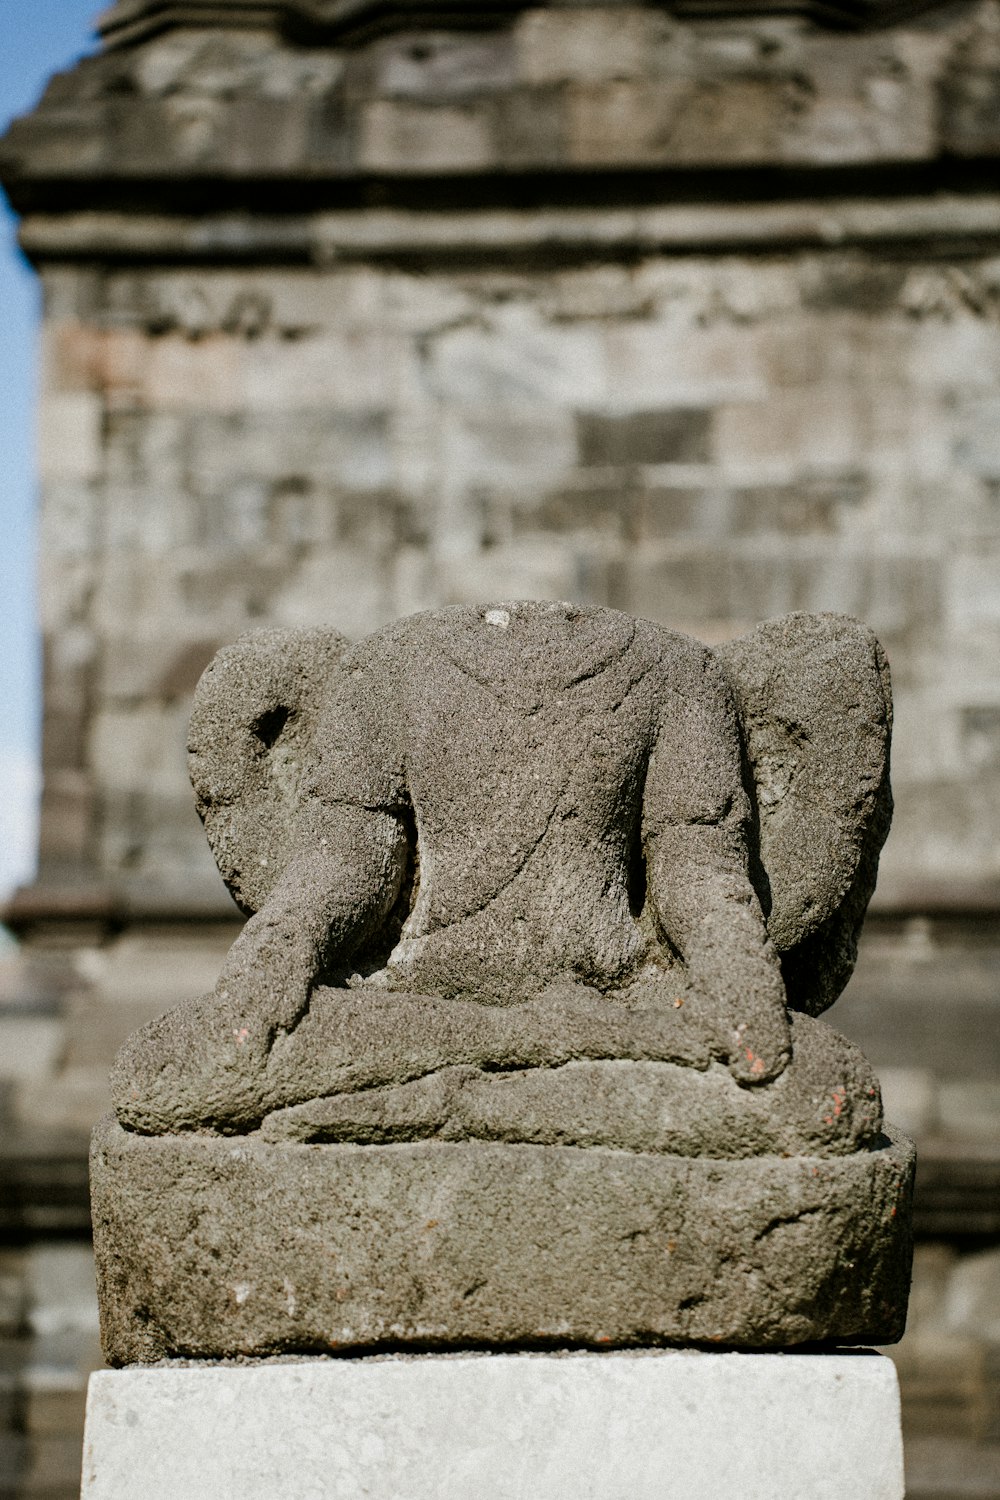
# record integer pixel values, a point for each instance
(219, 1247)
(575, 1426)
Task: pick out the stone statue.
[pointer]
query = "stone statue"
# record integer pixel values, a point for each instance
(544, 902)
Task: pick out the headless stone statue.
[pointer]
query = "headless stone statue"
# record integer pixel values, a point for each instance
(531, 876)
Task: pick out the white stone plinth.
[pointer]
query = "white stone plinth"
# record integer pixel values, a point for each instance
(581, 1426)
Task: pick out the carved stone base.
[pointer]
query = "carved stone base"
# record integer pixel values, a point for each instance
(213, 1246)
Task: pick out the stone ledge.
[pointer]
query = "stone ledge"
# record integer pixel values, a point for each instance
(570, 235)
(43, 1188)
(108, 906)
(664, 1426)
(957, 1193)
(352, 21)
(563, 99)
(229, 1246)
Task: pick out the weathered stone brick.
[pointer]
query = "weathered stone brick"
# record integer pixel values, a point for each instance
(868, 100)
(516, 450)
(346, 448)
(603, 291)
(981, 735)
(972, 582)
(65, 837)
(969, 1109)
(679, 121)
(70, 436)
(510, 359)
(972, 1303)
(339, 585)
(685, 588)
(819, 427)
(665, 511)
(29, 1046)
(682, 360)
(173, 372)
(265, 135)
(592, 44)
(606, 509)
(610, 124)
(529, 128)
(909, 1098)
(823, 506)
(146, 447)
(970, 93)
(402, 136)
(68, 523)
(678, 435)
(437, 65)
(333, 131)
(351, 371)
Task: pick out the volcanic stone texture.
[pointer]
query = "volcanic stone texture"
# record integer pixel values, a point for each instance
(550, 811)
(214, 1247)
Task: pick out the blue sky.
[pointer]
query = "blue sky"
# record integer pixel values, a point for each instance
(39, 37)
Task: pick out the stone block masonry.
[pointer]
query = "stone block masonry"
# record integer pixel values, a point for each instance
(704, 441)
(649, 310)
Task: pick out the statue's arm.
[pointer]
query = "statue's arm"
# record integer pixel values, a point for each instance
(696, 818)
(349, 858)
(340, 885)
(206, 1061)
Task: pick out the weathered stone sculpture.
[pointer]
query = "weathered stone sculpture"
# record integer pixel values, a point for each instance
(519, 1044)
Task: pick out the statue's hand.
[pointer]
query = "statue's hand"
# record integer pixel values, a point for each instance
(740, 994)
(198, 1067)
(268, 974)
(204, 1064)
(760, 1045)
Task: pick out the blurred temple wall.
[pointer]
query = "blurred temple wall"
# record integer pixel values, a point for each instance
(354, 308)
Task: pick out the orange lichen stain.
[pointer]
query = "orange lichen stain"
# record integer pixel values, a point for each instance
(241, 1035)
(671, 1246)
(431, 1224)
(678, 1001)
(756, 1063)
(839, 1098)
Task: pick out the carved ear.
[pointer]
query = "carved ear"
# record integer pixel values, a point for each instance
(814, 697)
(250, 750)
